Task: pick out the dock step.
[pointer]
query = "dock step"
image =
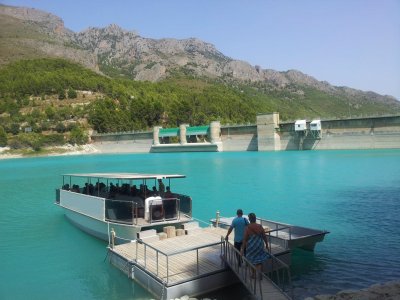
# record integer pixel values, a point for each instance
(192, 228)
(148, 235)
(191, 225)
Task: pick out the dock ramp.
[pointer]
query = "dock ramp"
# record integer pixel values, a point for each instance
(274, 283)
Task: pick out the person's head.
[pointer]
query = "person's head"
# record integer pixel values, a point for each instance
(252, 217)
(168, 189)
(239, 212)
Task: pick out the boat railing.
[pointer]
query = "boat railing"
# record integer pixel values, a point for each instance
(185, 204)
(279, 233)
(165, 263)
(275, 272)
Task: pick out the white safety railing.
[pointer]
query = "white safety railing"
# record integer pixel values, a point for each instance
(162, 260)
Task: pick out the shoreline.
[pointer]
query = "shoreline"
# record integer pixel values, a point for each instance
(65, 151)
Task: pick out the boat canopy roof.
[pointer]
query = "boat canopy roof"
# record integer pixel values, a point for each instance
(126, 176)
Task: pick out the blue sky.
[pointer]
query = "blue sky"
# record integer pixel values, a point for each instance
(354, 43)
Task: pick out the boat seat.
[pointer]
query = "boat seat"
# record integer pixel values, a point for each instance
(157, 212)
(156, 205)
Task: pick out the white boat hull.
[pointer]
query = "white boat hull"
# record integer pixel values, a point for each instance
(99, 228)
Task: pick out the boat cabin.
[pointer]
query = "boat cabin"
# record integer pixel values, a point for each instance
(127, 198)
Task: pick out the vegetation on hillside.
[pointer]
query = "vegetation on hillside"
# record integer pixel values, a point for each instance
(52, 101)
(120, 104)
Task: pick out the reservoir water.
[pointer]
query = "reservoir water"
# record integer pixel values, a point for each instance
(353, 194)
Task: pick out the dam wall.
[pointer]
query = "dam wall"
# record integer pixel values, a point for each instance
(355, 133)
(269, 134)
(239, 138)
(124, 142)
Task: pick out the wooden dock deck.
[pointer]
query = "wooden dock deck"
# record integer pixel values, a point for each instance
(174, 263)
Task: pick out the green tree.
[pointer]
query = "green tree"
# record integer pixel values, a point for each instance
(3, 137)
(78, 136)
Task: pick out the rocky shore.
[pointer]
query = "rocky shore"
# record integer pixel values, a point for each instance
(385, 291)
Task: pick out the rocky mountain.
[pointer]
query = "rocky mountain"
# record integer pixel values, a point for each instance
(113, 51)
(27, 33)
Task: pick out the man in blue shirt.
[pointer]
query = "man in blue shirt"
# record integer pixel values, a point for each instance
(239, 224)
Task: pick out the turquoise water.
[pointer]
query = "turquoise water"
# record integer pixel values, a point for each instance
(353, 194)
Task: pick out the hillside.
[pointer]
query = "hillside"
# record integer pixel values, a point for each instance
(29, 33)
(53, 80)
(27, 86)
(32, 86)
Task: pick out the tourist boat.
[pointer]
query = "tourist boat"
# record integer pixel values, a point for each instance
(285, 235)
(100, 203)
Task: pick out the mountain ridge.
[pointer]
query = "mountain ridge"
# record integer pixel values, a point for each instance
(117, 52)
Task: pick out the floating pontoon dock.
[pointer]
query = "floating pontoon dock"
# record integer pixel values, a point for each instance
(191, 264)
(286, 235)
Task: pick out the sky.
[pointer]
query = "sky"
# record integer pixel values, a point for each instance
(354, 43)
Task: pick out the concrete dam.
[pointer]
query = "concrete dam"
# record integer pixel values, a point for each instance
(268, 134)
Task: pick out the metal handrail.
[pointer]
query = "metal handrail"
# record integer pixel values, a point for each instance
(170, 254)
(232, 257)
(279, 227)
(140, 241)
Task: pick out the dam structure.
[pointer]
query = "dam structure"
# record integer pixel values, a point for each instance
(267, 134)
(187, 138)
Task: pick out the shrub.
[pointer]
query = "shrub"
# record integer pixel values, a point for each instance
(72, 94)
(53, 139)
(60, 127)
(25, 140)
(14, 128)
